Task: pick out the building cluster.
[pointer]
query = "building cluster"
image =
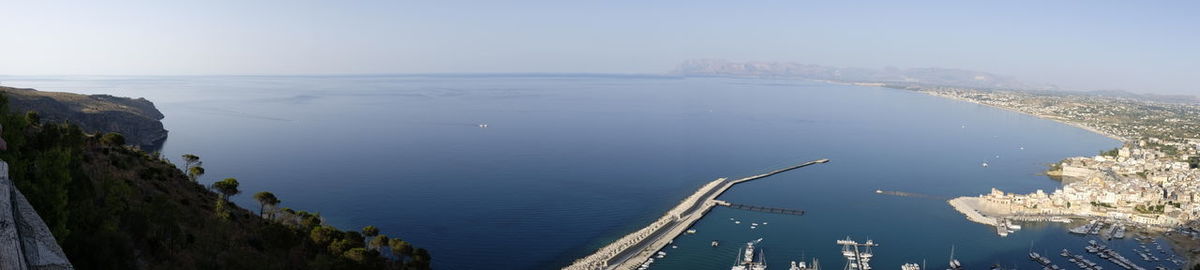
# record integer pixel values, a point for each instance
(1144, 186)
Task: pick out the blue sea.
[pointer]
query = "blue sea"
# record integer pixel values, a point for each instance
(568, 162)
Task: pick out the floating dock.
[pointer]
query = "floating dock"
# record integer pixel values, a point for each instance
(760, 208)
(633, 249)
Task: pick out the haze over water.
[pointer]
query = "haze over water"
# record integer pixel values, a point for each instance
(568, 163)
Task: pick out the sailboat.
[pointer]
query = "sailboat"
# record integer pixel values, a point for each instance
(954, 264)
(815, 265)
(747, 261)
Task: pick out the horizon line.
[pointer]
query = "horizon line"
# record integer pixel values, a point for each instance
(380, 74)
(661, 75)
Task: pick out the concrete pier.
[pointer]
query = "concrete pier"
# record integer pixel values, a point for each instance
(633, 249)
(969, 206)
(760, 208)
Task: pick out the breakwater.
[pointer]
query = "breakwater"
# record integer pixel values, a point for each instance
(631, 250)
(908, 194)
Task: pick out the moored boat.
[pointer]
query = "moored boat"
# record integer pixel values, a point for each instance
(746, 260)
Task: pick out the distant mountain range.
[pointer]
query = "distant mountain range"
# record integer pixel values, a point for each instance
(895, 77)
(891, 76)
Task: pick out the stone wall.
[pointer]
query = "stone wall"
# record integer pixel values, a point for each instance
(25, 241)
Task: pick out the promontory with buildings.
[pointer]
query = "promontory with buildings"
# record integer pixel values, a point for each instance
(1150, 184)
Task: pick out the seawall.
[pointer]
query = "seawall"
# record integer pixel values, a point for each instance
(630, 251)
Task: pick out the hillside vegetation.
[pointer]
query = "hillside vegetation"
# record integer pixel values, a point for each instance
(111, 206)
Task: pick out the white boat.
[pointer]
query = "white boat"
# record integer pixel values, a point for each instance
(747, 259)
(805, 266)
(954, 263)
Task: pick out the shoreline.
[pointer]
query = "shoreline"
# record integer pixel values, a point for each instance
(1069, 123)
(972, 207)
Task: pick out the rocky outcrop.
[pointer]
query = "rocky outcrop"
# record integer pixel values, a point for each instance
(25, 241)
(136, 119)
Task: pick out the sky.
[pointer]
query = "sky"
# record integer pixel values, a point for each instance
(1140, 46)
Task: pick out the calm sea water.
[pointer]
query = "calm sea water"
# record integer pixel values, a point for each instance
(567, 163)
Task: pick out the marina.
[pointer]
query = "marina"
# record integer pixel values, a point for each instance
(1080, 261)
(1042, 260)
(1093, 228)
(858, 256)
(1111, 255)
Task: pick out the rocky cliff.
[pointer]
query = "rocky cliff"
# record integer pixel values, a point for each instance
(136, 119)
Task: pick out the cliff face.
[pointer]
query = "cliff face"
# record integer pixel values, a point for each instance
(112, 206)
(136, 119)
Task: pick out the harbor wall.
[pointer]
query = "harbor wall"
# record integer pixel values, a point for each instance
(630, 251)
(968, 206)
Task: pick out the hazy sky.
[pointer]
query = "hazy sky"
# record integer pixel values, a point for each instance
(1144, 46)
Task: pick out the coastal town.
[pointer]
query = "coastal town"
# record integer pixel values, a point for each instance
(1170, 126)
(1150, 184)
(1138, 185)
